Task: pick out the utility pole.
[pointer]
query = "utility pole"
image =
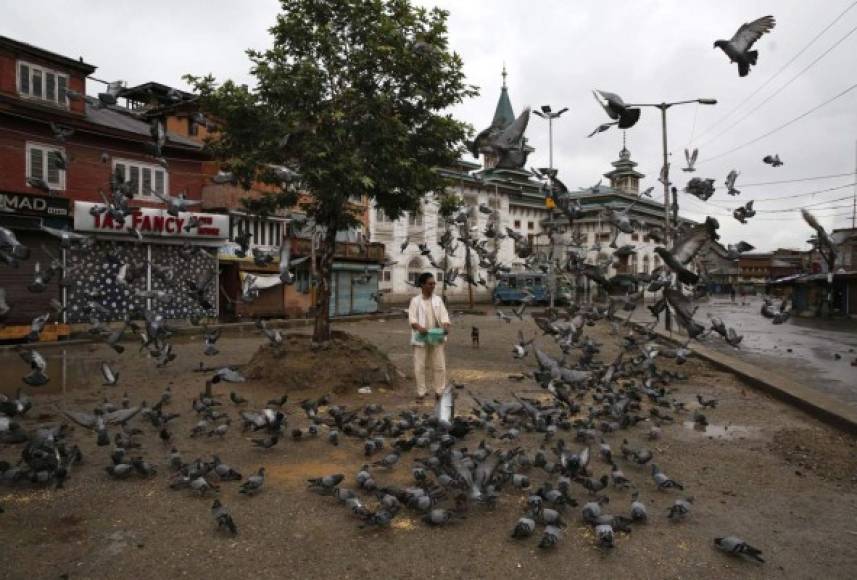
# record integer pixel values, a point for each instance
(668, 228)
(547, 113)
(854, 202)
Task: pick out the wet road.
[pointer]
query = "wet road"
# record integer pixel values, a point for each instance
(803, 348)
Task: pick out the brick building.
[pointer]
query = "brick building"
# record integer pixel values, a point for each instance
(58, 151)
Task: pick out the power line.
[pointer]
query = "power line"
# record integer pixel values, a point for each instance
(781, 127)
(795, 195)
(777, 91)
(795, 208)
(798, 179)
(781, 69)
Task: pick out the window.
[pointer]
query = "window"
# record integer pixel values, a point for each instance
(192, 127)
(439, 277)
(415, 218)
(635, 237)
(412, 277)
(517, 223)
(40, 83)
(381, 217)
(604, 237)
(530, 225)
(386, 275)
(42, 164)
(144, 177)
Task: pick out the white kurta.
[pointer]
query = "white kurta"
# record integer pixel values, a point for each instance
(429, 360)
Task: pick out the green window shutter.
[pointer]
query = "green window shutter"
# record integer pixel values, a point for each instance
(53, 170)
(134, 179)
(24, 79)
(147, 180)
(37, 163)
(159, 181)
(51, 86)
(61, 89)
(37, 83)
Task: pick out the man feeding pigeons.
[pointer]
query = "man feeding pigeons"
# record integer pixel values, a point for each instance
(429, 322)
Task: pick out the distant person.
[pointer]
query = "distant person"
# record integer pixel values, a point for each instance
(732, 293)
(426, 312)
(474, 336)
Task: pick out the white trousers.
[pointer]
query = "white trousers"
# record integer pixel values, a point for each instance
(430, 363)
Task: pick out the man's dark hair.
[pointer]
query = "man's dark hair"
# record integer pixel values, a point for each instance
(423, 278)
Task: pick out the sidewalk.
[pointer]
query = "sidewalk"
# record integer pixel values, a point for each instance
(819, 405)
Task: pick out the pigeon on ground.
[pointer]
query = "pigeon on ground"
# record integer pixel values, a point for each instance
(638, 509)
(254, 483)
(662, 480)
(325, 485)
(738, 547)
(680, 509)
(738, 47)
(524, 528)
(38, 365)
(222, 517)
(551, 537)
(111, 377)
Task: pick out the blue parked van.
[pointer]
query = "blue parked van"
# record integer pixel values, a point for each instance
(511, 287)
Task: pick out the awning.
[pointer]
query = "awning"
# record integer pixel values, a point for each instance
(262, 281)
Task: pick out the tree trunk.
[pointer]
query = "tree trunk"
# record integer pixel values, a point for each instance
(321, 331)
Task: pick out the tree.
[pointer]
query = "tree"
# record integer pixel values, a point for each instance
(352, 97)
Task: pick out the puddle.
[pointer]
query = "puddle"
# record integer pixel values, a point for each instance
(722, 431)
(68, 369)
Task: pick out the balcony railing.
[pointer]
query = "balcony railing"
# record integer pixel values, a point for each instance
(369, 252)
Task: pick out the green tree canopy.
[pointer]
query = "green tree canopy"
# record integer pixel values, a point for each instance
(354, 96)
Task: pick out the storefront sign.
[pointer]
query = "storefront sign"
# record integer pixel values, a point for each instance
(151, 222)
(37, 205)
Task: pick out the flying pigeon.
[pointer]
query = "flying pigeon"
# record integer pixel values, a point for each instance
(701, 188)
(691, 160)
(734, 251)
(738, 48)
(730, 183)
(624, 117)
(772, 160)
(745, 212)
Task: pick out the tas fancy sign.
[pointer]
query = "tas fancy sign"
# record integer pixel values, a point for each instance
(150, 222)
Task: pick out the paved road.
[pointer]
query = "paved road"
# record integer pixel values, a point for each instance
(804, 348)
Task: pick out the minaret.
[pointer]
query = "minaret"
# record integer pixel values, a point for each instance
(624, 177)
(504, 115)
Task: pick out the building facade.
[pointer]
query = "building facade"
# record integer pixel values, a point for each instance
(59, 150)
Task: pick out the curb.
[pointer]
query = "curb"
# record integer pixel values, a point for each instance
(818, 405)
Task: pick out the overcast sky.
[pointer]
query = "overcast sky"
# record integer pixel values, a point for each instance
(555, 53)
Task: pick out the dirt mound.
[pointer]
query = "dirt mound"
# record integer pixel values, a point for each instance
(346, 363)
(829, 455)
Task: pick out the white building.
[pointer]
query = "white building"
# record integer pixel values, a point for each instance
(520, 202)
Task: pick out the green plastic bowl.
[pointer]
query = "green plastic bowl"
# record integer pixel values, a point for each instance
(433, 336)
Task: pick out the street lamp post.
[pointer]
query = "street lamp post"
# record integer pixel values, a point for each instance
(663, 108)
(547, 113)
(666, 173)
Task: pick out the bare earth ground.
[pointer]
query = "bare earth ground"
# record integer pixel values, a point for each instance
(775, 477)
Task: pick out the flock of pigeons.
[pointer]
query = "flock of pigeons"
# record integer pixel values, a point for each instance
(548, 450)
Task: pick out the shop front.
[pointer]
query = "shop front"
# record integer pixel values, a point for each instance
(24, 215)
(151, 261)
